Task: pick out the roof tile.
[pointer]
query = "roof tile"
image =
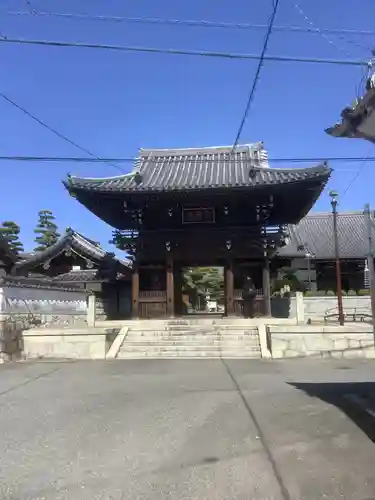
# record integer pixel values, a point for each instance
(315, 233)
(200, 169)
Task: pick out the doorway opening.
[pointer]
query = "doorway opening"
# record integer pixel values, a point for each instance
(203, 290)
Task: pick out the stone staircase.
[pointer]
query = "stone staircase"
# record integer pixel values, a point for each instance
(187, 339)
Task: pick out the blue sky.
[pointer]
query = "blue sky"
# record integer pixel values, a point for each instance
(114, 103)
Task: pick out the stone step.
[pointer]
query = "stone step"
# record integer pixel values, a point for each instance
(187, 327)
(227, 342)
(191, 333)
(198, 347)
(192, 338)
(158, 348)
(189, 355)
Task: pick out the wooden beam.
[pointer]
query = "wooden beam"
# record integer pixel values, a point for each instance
(170, 286)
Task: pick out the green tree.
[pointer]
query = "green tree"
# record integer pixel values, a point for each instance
(46, 230)
(10, 231)
(287, 276)
(205, 280)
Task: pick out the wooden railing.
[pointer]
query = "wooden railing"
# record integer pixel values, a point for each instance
(259, 305)
(152, 304)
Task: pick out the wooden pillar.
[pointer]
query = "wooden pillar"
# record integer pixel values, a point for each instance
(178, 281)
(266, 284)
(229, 288)
(170, 286)
(135, 292)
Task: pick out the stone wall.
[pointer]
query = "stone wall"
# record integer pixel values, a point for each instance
(316, 307)
(25, 304)
(68, 343)
(321, 342)
(101, 307)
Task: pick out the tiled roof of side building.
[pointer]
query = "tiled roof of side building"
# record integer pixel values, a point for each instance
(25, 282)
(315, 234)
(83, 246)
(83, 276)
(217, 167)
(77, 276)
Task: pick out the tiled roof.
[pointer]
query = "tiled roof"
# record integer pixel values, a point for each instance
(82, 276)
(358, 121)
(79, 276)
(315, 232)
(24, 282)
(218, 167)
(77, 242)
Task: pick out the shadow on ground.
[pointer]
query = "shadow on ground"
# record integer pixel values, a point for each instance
(355, 399)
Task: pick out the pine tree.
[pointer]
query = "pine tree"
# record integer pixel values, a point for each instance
(46, 230)
(10, 231)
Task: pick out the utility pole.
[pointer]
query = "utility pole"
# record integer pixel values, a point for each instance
(370, 263)
(333, 196)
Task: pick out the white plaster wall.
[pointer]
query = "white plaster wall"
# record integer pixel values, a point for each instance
(41, 300)
(22, 307)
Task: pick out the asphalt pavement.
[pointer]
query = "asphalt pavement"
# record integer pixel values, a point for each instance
(205, 429)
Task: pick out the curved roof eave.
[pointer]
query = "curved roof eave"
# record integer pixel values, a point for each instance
(112, 185)
(71, 239)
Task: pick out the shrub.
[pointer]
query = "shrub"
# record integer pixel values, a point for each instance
(320, 293)
(352, 293)
(363, 292)
(309, 293)
(330, 293)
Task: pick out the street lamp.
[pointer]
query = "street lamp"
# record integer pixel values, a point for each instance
(309, 255)
(333, 195)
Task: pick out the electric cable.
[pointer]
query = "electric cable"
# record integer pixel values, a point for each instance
(54, 131)
(257, 73)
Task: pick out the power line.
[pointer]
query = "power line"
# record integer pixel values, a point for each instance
(54, 131)
(76, 159)
(257, 74)
(190, 23)
(324, 35)
(358, 173)
(200, 53)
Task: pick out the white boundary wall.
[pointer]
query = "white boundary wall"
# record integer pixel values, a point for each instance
(32, 299)
(25, 305)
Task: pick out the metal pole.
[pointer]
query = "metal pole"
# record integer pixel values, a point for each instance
(370, 264)
(333, 196)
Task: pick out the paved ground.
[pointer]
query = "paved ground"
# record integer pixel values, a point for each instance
(187, 430)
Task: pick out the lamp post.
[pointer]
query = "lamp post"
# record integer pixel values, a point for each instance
(333, 195)
(309, 256)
